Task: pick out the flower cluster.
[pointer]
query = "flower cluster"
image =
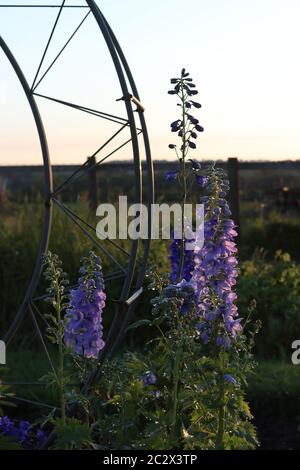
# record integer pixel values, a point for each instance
(188, 262)
(83, 320)
(181, 294)
(149, 378)
(187, 126)
(22, 433)
(215, 270)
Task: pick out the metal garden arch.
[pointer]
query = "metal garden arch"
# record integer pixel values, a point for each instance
(133, 270)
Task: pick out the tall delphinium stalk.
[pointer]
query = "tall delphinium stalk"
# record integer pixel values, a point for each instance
(187, 128)
(76, 328)
(57, 279)
(211, 269)
(214, 278)
(76, 325)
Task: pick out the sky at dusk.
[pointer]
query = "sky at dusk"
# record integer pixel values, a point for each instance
(242, 54)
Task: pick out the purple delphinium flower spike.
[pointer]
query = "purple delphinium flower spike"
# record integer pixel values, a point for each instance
(215, 271)
(83, 320)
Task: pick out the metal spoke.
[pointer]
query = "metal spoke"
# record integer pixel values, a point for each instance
(10, 384)
(70, 179)
(59, 204)
(116, 245)
(92, 166)
(42, 341)
(38, 312)
(114, 151)
(43, 6)
(61, 51)
(29, 402)
(48, 43)
(94, 112)
(114, 276)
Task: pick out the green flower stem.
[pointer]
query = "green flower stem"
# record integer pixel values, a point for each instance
(183, 171)
(221, 418)
(222, 409)
(176, 370)
(60, 383)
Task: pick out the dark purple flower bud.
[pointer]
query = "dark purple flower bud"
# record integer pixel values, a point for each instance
(230, 379)
(174, 80)
(180, 133)
(149, 378)
(191, 85)
(171, 176)
(182, 72)
(196, 104)
(175, 125)
(192, 92)
(199, 128)
(201, 180)
(188, 105)
(193, 119)
(192, 145)
(194, 135)
(172, 92)
(195, 165)
(41, 436)
(172, 146)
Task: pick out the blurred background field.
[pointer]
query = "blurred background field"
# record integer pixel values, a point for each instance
(269, 251)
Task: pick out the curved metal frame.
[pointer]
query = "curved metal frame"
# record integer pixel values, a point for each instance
(48, 188)
(121, 66)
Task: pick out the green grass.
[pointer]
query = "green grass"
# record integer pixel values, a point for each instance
(274, 390)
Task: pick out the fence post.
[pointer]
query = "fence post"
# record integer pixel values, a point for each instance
(93, 190)
(234, 200)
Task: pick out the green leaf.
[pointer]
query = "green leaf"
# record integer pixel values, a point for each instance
(137, 324)
(8, 443)
(72, 435)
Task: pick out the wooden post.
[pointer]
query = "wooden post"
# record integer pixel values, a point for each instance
(233, 196)
(93, 189)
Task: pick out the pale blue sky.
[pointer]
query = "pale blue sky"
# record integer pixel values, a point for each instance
(243, 55)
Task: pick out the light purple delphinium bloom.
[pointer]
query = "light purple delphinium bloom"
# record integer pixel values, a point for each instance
(83, 320)
(215, 268)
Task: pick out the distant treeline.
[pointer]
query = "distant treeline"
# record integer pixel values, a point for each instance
(158, 165)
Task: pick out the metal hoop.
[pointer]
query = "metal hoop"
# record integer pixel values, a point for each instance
(129, 294)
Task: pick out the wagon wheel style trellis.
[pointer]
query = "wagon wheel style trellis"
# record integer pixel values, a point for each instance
(132, 270)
